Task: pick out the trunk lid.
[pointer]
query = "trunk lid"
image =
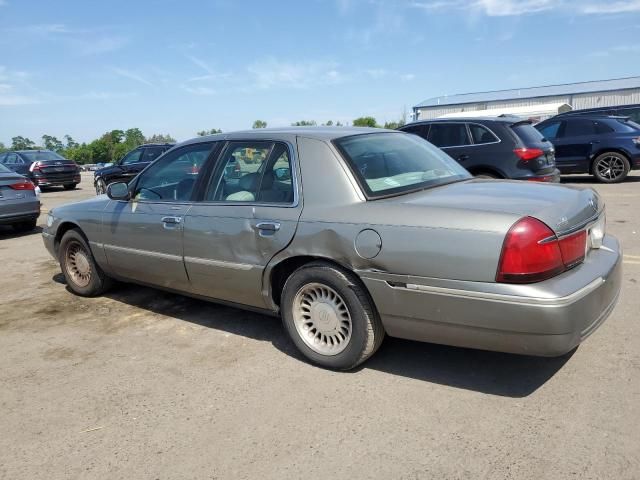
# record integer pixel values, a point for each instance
(560, 207)
(57, 166)
(8, 193)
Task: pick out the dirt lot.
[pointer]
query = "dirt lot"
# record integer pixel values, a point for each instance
(144, 384)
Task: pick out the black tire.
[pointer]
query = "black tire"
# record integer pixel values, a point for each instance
(25, 226)
(367, 331)
(70, 186)
(101, 186)
(611, 167)
(73, 242)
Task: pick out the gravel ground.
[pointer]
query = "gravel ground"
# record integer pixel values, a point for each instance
(145, 384)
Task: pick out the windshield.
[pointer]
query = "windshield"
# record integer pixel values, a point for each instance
(393, 163)
(41, 156)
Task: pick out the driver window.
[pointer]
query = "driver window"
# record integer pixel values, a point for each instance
(132, 157)
(174, 177)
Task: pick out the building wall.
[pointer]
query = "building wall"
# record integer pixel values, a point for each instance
(577, 101)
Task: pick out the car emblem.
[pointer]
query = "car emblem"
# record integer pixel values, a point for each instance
(58, 163)
(563, 221)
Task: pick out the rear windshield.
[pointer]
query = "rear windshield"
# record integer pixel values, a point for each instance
(37, 156)
(527, 133)
(625, 126)
(394, 163)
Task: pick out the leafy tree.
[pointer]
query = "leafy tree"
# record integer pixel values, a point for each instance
(329, 123)
(52, 143)
(160, 138)
(79, 153)
(213, 131)
(71, 143)
(365, 122)
(133, 137)
(2, 147)
(259, 124)
(304, 123)
(338, 124)
(22, 143)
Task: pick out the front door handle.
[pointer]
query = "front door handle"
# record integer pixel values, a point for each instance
(171, 222)
(267, 228)
(463, 158)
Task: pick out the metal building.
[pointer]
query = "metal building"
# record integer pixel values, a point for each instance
(536, 102)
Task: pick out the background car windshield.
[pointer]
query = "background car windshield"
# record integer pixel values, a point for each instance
(392, 163)
(41, 156)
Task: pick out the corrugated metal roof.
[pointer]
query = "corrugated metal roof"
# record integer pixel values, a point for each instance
(532, 92)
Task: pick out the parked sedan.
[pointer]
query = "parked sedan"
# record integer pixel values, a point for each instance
(349, 234)
(43, 167)
(603, 146)
(19, 202)
(493, 147)
(128, 166)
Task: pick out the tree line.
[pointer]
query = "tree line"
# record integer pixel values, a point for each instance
(113, 145)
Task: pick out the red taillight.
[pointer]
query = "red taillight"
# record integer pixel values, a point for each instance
(573, 248)
(531, 252)
(23, 185)
(527, 154)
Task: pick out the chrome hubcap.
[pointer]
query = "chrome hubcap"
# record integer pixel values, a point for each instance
(101, 187)
(78, 265)
(322, 319)
(610, 167)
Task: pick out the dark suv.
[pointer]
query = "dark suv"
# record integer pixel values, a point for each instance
(43, 167)
(128, 166)
(606, 147)
(501, 147)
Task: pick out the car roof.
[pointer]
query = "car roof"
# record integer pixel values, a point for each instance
(508, 119)
(156, 145)
(318, 133)
(40, 150)
(599, 116)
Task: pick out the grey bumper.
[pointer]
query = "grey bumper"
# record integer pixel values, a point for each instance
(547, 319)
(49, 243)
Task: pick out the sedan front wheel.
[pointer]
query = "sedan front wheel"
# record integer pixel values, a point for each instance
(83, 275)
(330, 317)
(101, 186)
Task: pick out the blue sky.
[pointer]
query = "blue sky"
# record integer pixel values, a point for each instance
(179, 66)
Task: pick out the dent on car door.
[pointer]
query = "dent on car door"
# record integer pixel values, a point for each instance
(249, 213)
(143, 236)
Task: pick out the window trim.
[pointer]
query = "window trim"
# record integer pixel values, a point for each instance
(218, 168)
(196, 188)
(473, 144)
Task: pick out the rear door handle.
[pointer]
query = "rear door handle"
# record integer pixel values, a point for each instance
(463, 158)
(267, 228)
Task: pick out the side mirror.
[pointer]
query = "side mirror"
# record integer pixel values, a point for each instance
(282, 173)
(118, 191)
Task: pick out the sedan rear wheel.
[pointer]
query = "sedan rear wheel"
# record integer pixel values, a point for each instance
(330, 317)
(611, 167)
(84, 277)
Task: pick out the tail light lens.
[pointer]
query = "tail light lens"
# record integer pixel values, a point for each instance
(23, 185)
(531, 252)
(526, 154)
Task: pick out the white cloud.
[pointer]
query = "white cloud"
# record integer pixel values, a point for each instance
(407, 77)
(9, 94)
(610, 7)
(101, 45)
(131, 76)
(272, 73)
(503, 8)
(201, 63)
(204, 91)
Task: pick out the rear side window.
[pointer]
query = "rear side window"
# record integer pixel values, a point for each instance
(151, 153)
(481, 134)
(603, 128)
(577, 127)
(527, 133)
(550, 130)
(449, 134)
(625, 126)
(420, 130)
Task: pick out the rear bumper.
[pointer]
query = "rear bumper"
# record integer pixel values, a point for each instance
(545, 319)
(55, 181)
(20, 213)
(553, 177)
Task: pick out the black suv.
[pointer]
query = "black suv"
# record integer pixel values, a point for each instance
(501, 147)
(43, 167)
(128, 166)
(606, 147)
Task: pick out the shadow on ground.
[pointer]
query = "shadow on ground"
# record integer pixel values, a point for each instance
(6, 231)
(591, 180)
(485, 372)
